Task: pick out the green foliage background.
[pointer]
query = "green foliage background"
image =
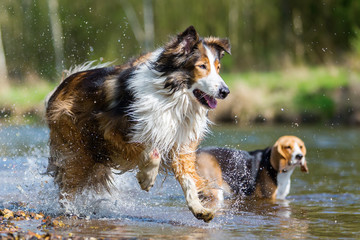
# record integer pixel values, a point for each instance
(297, 60)
(265, 35)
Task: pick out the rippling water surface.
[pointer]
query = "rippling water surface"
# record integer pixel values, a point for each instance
(324, 203)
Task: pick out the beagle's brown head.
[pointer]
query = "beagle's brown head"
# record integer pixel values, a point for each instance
(287, 152)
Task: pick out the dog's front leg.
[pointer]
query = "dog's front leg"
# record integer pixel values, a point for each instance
(184, 169)
(148, 170)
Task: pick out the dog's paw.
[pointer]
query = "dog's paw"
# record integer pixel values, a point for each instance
(147, 173)
(146, 178)
(205, 214)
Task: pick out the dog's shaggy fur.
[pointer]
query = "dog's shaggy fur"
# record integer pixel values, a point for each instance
(147, 114)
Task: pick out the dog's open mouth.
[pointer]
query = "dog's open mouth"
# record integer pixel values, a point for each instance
(205, 99)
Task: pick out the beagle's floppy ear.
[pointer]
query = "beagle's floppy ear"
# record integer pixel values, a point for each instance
(188, 39)
(276, 155)
(222, 45)
(304, 167)
(303, 163)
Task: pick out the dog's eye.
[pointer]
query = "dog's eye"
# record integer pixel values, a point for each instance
(288, 147)
(202, 66)
(301, 147)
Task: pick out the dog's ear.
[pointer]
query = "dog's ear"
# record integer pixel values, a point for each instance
(279, 149)
(303, 164)
(222, 45)
(277, 157)
(188, 39)
(304, 167)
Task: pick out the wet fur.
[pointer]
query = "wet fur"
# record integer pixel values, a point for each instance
(140, 115)
(256, 174)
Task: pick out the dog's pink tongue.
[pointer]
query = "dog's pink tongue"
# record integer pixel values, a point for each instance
(211, 101)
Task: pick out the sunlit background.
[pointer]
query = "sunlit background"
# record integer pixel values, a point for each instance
(294, 69)
(292, 61)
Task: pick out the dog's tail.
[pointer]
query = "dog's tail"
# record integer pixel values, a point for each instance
(89, 65)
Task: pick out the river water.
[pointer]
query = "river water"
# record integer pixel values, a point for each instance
(322, 204)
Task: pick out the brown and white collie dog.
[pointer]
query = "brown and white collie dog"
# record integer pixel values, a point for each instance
(147, 114)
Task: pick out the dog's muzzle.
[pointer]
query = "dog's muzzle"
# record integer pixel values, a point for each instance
(223, 92)
(299, 156)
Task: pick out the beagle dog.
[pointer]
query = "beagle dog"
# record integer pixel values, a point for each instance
(256, 174)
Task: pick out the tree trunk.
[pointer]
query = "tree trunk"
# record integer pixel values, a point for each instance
(133, 21)
(148, 24)
(145, 37)
(298, 31)
(56, 31)
(4, 80)
(234, 24)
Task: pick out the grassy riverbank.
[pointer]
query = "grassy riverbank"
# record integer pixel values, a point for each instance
(299, 95)
(24, 103)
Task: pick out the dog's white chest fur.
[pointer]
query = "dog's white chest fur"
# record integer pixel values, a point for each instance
(164, 120)
(283, 181)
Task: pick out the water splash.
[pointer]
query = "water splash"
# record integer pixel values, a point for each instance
(23, 185)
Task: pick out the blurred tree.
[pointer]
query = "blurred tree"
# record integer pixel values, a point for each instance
(233, 24)
(4, 81)
(56, 31)
(264, 34)
(148, 24)
(144, 36)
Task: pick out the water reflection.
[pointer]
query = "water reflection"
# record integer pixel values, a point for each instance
(321, 204)
(282, 222)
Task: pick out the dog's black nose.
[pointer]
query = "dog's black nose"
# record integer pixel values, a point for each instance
(223, 92)
(298, 156)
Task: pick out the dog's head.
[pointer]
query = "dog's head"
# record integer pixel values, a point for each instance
(287, 152)
(192, 63)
